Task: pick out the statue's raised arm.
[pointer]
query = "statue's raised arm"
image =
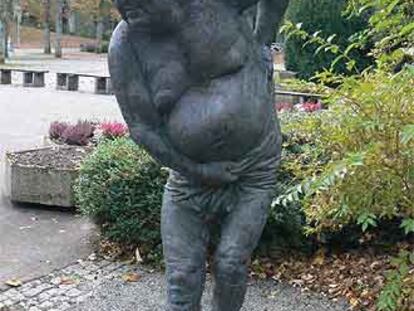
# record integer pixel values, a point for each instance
(270, 14)
(266, 16)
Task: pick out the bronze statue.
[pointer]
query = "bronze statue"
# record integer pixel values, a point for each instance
(193, 81)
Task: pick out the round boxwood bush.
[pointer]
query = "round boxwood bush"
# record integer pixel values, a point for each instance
(120, 187)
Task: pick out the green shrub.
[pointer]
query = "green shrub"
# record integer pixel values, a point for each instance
(94, 48)
(367, 143)
(104, 47)
(120, 186)
(88, 47)
(367, 138)
(398, 293)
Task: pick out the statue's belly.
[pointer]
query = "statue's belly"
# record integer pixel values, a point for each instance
(223, 121)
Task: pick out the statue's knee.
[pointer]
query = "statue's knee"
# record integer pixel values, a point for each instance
(183, 275)
(230, 269)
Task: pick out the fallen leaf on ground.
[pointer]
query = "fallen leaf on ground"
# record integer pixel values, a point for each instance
(110, 250)
(356, 275)
(14, 282)
(25, 227)
(138, 256)
(64, 280)
(319, 258)
(131, 277)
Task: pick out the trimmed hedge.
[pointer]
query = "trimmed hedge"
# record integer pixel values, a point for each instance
(120, 186)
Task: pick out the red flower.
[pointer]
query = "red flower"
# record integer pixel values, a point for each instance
(113, 129)
(283, 107)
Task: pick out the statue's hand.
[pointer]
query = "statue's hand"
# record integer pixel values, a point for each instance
(216, 173)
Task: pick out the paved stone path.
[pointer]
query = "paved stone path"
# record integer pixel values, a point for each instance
(62, 289)
(98, 285)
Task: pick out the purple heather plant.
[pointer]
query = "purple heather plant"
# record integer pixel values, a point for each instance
(56, 130)
(78, 134)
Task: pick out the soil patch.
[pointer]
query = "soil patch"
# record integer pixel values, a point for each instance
(57, 157)
(358, 275)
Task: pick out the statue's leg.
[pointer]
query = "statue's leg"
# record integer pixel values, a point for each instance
(241, 231)
(185, 239)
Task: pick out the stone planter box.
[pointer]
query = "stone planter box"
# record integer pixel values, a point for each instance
(47, 184)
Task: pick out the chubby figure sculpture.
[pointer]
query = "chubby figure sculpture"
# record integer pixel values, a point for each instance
(192, 79)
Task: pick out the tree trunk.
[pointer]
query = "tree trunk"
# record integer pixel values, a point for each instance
(59, 26)
(46, 27)
(6, 40)
(18, 30)
(2, 47)
(73, 22)
(99, 33)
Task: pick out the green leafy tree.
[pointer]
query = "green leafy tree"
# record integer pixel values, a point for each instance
(99, 10)
(392, 29)
(322, 17)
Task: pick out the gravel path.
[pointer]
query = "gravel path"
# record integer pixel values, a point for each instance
(98, 285)
(148, 295)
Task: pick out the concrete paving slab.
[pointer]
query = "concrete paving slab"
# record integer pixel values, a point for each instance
(34, 240)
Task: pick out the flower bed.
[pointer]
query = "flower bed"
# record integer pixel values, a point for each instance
(282, 107)
(85, 132)
(44, 176)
